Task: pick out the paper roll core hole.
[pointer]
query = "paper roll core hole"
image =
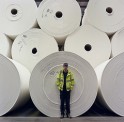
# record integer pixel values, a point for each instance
(14, 11)
(88, 47)
(59, 14)
(109, 10)
(34, 50)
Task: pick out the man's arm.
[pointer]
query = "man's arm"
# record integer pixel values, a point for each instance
(58, 79)
(72, 81)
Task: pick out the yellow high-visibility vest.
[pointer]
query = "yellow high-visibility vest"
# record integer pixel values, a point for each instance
(69, 81)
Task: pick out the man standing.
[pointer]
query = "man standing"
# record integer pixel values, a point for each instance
(65, 83)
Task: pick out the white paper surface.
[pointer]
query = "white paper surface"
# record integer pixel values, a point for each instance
(32, 46)
(110, 76)
(59, 18)
(106, 15)
(45, 94)
(5, 45)
(17, 16)
(14, 85)
(89, 43)
(117, 43)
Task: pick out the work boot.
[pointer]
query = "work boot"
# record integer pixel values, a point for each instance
(62, 116)
(68, 116)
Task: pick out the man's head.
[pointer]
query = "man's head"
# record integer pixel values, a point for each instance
(65, 66)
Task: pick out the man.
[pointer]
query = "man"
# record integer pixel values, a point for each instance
(65, 83)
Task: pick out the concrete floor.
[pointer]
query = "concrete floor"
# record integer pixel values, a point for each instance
(47, 119)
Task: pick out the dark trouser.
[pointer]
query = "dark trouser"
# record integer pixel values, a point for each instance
(65, 98)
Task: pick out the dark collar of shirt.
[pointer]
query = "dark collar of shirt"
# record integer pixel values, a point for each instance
(65, 72)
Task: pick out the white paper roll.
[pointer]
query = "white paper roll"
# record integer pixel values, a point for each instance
(59, 18)
(106, 15)
(14, 85)
(89, 43)
(17, 16)
(5, 45)
(111, 81)
(117, 43)
(32, 46)
(43, 89)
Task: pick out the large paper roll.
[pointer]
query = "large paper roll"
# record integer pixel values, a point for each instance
(117, 43)
(89, 43)
(17, 16)
(14, 85)
(45, 94)
(111, 81)
(59, 18)
(5, 45)
(32, 46)
(105, 15)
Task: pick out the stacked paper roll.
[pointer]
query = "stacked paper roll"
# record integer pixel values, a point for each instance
(105, 15)
(32, 46)
(5, 45)
(14, 85)
(17, 16)
(89, 43)
(111, 81)
(43, 89)
(59, 18)
(117, 43)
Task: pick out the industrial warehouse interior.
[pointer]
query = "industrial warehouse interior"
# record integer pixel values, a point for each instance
(61, 60)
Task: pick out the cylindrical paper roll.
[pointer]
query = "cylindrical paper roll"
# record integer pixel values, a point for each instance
(5, 45)
(89, 43)
(59, 18)
(111, 81)
(17, 16)
(43, 89)
(117, 43)
(32, 46)
(105, 15)
(14, 85)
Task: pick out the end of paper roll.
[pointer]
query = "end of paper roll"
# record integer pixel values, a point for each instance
(64, 16)
(15, 18)
(105, 15)
(89, 42)
(32, 46)
(44, 76)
